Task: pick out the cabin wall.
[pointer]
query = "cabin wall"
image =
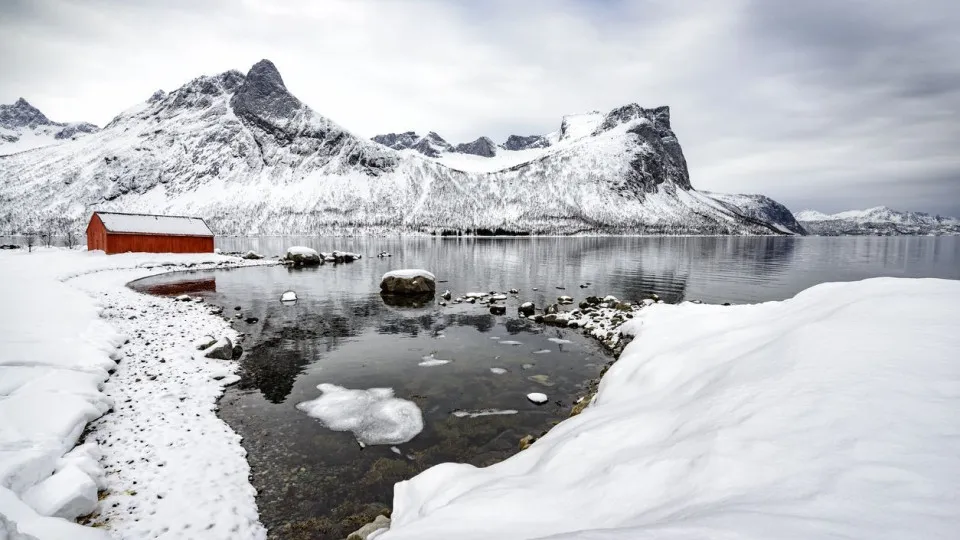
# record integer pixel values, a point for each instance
(154, 243)
(96, 234)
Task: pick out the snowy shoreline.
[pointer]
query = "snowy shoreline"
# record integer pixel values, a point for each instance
(831, 413)
(88, 360)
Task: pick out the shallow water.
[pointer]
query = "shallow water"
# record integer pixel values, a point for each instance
(316, 483)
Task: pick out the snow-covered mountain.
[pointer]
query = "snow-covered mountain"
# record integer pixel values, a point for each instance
(245, 154)
(877, 221)
(24, 127)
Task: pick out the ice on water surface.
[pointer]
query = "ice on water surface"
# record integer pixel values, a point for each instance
(374, 416)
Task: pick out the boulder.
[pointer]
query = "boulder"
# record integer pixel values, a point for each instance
(498, 309)
(526, 441)
(446, 295)
(537, 397)
(592, 300)
(379, 523)
(252, 256)
(302, 256)
(237, 351)
(408, 282)
(527, 308)
(564, 300)
(288, 296)
(552, 309)
(221, 350)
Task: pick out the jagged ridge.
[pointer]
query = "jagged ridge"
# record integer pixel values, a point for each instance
(243, 152)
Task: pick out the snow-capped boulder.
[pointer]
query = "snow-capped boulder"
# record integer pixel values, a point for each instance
(288, 297)
(302, 256)
(497, 309)
(221, 350)
(408, 282)
(537, 397)
(526, 308)
(446, 295)
(252, 255)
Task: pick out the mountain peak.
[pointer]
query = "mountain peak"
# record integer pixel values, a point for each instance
(483, 146)
(264, 95)
(22, 114)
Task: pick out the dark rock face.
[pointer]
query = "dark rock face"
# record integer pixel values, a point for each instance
(264, 95)
(666, 162)
(480, 147)
(22, 114)
(262, 101)
(519, 142)
(73, 129)
(432, 145)
(397, 141)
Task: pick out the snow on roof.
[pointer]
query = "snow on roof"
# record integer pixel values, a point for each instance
(150, 224)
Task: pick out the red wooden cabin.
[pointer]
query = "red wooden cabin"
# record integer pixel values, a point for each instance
(114, 232)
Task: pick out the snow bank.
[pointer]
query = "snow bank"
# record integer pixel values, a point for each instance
(56, 353)
(831, 414)
(374, 416)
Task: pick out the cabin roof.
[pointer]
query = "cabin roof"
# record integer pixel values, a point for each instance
(117, 222)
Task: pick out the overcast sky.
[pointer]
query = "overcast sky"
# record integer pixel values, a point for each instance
(824, 104)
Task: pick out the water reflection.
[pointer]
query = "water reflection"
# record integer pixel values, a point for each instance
(314, 483)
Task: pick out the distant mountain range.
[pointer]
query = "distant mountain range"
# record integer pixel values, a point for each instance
(243, 152)
(877, 221)
(24, 127)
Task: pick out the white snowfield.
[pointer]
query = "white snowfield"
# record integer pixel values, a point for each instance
(165, 464)
(833, 414)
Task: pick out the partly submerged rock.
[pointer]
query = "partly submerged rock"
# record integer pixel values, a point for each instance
(498, 309)
(527, 308)
(252, 256)
(302, 256)
(288, 297)
(408, 282)
(221, 350)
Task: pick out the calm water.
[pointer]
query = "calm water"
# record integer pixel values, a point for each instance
(315, 483)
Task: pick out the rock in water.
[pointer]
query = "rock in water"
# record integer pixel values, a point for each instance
(288, 296)
(526, 308)
(537, 397)
(498, 309)
(221, 350)
(302, 256)
(408, 282)
(252, 256)
(446, 295)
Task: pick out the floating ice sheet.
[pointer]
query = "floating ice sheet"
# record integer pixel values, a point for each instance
(374, 416)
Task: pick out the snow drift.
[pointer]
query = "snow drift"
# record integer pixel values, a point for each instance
(245, 154)
(829, 415)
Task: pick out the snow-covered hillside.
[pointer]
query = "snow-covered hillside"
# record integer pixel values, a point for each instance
(249, 157)
(24, 127)
(879, 221)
